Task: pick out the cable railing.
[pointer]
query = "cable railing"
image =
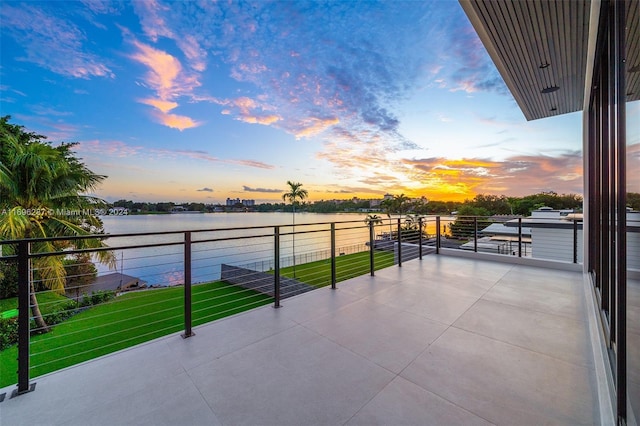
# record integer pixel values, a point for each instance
(148, 285)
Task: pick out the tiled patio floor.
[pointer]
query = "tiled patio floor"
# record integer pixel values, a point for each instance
(441, 341)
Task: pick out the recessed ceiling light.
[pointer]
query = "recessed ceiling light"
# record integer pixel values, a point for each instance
(550, 89)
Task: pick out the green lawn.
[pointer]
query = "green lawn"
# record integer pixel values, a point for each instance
(141, 316)
(318, 274)
(128, 320)
(47, 301)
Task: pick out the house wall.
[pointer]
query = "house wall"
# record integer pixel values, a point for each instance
(555, 244)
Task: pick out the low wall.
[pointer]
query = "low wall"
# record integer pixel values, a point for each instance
(262, 282)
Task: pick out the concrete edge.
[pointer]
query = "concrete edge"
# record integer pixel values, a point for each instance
(527, 261)
(604, 378)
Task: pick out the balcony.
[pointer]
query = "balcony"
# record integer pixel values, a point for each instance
(438, 340)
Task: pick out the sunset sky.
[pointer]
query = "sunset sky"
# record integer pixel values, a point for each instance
(204, 100)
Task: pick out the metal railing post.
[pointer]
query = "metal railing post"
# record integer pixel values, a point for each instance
(188, 322)
(420, 238)
(519, 237)
(438, 234)
(371, 249)
(333, 256)
(276, 271)
(475, 234)
(399, 242)
(24, 293)
(575, 241)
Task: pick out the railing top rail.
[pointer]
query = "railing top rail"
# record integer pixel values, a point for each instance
(180, 232)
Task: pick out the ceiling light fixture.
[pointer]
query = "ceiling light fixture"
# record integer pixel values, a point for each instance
(544, 65)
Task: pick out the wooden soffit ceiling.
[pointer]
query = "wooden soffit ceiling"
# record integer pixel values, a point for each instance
(540, 49)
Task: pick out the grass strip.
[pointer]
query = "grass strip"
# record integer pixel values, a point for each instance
(126, 321)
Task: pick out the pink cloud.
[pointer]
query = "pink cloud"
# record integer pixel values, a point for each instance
(167, 77)
(252, 163)
(153, 24)
(165, 71)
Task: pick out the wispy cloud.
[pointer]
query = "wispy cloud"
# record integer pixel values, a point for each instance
(314, 71)
(52, 42)
(111, 148)
(121, 149)
(55, 129)
(205, 189)
(264, 190)
(248, 110)
(157, 20)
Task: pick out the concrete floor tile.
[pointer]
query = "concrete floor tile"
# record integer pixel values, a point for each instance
(442, 306)
(176, 402)
(403, 403)
(294, 378)
(124, 373)
(538, 299)
(564, 282)
(501, 382)
(553, 335)
(229, 334)
(314, 304)
(387, 336)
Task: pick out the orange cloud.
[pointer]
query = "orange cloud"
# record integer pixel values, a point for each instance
(265, 120)
(164, 106)
(313, 126)
(175, 121)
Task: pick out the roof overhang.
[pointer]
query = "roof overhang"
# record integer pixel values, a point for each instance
(541, 49)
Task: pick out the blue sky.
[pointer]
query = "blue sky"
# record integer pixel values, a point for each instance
(203, 100)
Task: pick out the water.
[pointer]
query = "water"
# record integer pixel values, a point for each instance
(164, 265)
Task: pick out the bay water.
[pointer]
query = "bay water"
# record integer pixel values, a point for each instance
(241, 239)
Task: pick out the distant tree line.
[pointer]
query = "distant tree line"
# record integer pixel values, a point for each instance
(480, 205)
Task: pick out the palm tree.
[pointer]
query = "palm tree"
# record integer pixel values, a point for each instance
(38, 184)
(295, 193)
(373, 219)
(400, 201)
(387, 206)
